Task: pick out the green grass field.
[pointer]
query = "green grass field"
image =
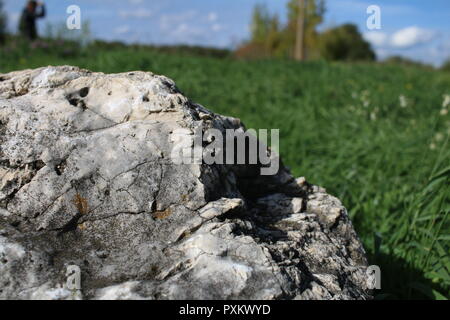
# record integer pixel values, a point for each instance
(376, 136)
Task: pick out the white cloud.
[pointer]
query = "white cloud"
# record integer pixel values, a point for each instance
(382, 53)
(212, 17)
(410, 37)
(170, 21)
(137, 14)
(216, 27)
(402, 39)
(187, 32)
(122, 30)
(376, 38)
(408, 42)
(190, 27)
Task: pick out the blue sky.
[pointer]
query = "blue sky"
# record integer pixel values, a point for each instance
(419, 29)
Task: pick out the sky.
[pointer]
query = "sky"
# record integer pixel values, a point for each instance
(417, 29)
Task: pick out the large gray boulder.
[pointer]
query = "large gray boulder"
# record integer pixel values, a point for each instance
(86, 180)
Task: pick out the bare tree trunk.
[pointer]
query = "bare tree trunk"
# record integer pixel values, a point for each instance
(299, 53)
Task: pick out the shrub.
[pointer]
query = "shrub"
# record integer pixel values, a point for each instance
(345, 43)
(251, 51)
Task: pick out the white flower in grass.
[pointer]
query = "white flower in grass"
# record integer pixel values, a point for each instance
(365, 98)
(439, 137)
(444, 112)
(432, 146)
(373, 114)
(446, 101)
(403, 101)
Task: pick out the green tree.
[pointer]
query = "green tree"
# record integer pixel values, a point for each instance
(260, 23)
(270, 38)
(266, 34)
(265, 27)
(314, 11)
(345, 43)
(3, 22)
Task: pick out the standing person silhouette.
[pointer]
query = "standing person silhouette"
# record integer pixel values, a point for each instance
(28, 19)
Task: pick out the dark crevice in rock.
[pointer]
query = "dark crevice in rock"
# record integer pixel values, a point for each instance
(60, 167)
(29, 171)
(84, 92)
(33, 165)
(70, 226)
(153, 206)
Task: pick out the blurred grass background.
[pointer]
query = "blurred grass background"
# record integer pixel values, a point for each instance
(375, 135)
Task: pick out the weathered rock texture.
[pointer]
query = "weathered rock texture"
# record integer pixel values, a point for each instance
(86, 179)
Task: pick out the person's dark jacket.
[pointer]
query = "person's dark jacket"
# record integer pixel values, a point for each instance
(28, 22)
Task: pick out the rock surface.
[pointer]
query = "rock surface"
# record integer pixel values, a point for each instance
(86, 180)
